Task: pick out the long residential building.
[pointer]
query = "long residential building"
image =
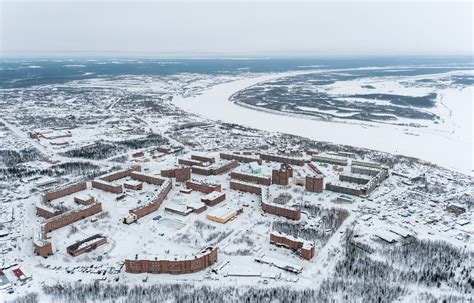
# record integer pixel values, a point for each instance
(173, 265)
(252, 178)
(330, 160)
(240, 158)
(147, 178)
(72, 216)
(120, 174)
(304, 247)
(64, 191)
(203, 158)
(282, 159)
(281, 210)
(155, 203)
(246, 187)
(203, 186)
(107, 186)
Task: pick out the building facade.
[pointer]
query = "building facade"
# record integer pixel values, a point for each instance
(204, 259)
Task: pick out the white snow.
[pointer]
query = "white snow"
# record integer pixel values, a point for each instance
(449, 147)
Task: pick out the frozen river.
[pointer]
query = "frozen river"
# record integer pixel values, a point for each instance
(450, 145)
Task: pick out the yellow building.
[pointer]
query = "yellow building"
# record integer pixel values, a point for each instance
(223, 214)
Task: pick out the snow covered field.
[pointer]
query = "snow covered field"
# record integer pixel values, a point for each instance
(448, 145)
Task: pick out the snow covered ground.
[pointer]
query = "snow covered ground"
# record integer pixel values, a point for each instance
(449, 145)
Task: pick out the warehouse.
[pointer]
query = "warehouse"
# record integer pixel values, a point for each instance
(224, 214)
(86, 245)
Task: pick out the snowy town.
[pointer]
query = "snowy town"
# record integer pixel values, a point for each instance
(180, 206)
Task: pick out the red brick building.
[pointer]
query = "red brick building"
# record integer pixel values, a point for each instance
(107, 186)
(133, 185)
(190, 264)
(153, 206)
(213, 198)
(41, 247)
(181, 174)
(189, 162)
(43, 250)
(84, 199)
(49, 196)
(246, 187)
(281, 176)
(240, 158)
(305, 248)
(120, 174)
(314, 183)
(47, 212)
(71, 217)
(86, 245)
(224, 167)
(282, 159)
(147, 178)
(203, 186)
(285, 211)
(203, 171)
(262, 180)
(203, 158)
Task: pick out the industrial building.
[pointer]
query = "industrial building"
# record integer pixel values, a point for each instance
(224, 214)
(86, 245)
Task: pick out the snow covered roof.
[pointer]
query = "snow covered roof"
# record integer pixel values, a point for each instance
(223, 211)
(214, 195)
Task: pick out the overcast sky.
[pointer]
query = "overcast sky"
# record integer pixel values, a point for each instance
(205, 28)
